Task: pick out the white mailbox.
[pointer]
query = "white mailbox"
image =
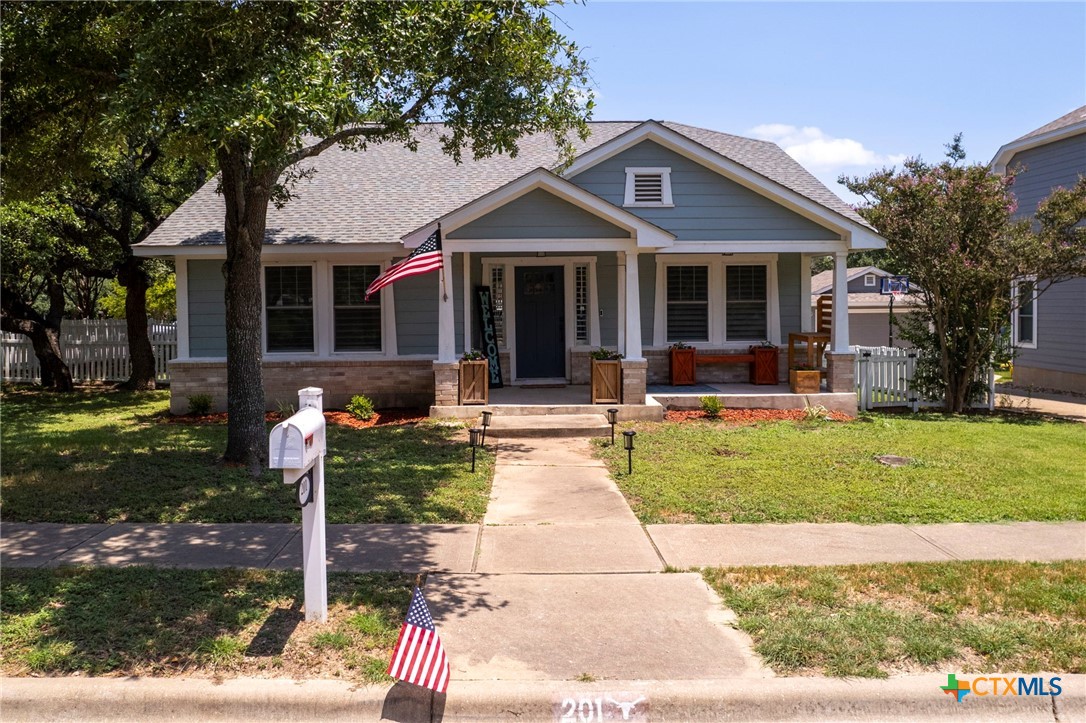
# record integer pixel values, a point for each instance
(297, 442)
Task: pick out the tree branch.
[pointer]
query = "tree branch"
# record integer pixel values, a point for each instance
(317, 148)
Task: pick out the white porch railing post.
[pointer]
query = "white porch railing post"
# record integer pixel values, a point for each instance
(839, 327)
(446, 318)
(633, 309)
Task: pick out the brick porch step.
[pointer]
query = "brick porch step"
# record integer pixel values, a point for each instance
(549, 425)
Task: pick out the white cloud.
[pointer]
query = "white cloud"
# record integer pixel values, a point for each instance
(819, 152)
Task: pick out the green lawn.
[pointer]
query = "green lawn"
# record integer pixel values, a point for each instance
(963, 469)
(874, 620)
(109, 456)
(145, 621)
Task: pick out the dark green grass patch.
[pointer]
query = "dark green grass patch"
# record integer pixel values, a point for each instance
(963, 469)
(874, 620)
(110, 457)
(147, 621)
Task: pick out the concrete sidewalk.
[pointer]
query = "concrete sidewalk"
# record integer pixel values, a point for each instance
(1027, 401)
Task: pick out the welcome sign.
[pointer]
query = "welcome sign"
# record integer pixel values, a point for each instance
(490, 337)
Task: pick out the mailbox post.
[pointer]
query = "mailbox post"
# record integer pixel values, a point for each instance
(297, 446)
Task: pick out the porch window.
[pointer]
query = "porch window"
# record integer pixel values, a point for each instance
(497, 295)
(288, 308)
(746, 312)
(1024, 319)
(687, 303)
(581, 303)
(356, 322)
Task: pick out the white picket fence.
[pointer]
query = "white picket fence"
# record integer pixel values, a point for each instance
(884, 379)
(95, 350)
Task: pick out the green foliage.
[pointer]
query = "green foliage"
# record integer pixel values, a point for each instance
(161, 299)
(952, 229)
(473, 355)
(711, 405)
(604, 354)
(200, 404)
(360, 407)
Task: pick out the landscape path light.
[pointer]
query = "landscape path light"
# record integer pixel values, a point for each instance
(475, 435)
(486, 423)
(612, 417)
(628, 442)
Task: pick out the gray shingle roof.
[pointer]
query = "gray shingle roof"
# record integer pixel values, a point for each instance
(1076, 116)
(386, 191)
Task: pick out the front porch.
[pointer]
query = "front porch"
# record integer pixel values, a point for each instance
(572, 399)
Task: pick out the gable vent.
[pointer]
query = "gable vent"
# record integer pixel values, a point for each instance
(648, 187)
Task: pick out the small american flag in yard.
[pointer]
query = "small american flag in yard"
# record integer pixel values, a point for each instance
(418, 657)
(423, 260)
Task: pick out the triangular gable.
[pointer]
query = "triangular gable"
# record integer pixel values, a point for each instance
(646, 234)
(856, 235)
(538, 214)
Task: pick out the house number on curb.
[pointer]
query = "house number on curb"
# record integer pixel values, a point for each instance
(599, 707)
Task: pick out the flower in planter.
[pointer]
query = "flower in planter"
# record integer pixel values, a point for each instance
(605, 354)
(473, 355)
(680, 345)
(767, 344)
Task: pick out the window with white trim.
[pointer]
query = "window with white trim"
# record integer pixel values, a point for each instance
(648, 187)
(580, 308)
(869, 280)
(746, 308)
(1024, 317)
(687, 303)
(288, 308)
(497, 296)
(356, 323)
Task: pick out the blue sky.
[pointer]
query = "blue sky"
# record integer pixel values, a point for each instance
(844, 87)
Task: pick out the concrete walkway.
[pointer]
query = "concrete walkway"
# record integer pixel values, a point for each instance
(1028, 401)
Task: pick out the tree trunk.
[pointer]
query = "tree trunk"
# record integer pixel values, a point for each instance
(132, 276)
(247, 196)
(18, 317)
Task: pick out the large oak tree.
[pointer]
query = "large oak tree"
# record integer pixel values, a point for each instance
(265, 86)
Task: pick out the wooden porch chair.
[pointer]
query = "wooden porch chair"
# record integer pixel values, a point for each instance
(815, 341)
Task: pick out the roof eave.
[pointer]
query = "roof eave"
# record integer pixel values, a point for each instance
(1004, 155)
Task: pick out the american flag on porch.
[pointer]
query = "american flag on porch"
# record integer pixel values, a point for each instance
(423, 260)
(418, 657)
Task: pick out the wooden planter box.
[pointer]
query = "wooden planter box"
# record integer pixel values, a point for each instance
(804, 381)
(475, 382)
(764, 368)
(606, 381)
(683, 367)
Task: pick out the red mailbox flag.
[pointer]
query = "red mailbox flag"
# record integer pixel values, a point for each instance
(418, 657)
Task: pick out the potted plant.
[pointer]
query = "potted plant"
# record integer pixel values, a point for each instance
(682, 364)
(805, 379)
(606, 376)
(474, 378)
(764, 367)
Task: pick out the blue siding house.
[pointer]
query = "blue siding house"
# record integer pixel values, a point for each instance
(656, 232)
(1049, 332)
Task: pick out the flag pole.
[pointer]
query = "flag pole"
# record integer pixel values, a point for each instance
(444, 287)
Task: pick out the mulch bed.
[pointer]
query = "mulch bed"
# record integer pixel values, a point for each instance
(384, 418)
(748, 416)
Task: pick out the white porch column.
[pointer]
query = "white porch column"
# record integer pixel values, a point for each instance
(806, 316)
(446, 319)
(633, 309)
(839, 329)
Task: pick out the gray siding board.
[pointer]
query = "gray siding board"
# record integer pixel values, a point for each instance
(607, 288)
(207, 308)
(416, 314)
(456, 288)
(1046, 167)
(788, 293)
(538, 214)
(1061, 329)
(856, 286)
(708, 206)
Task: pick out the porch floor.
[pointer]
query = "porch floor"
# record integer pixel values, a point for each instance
(573, 399)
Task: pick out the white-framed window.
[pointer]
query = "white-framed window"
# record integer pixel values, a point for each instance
(869, 280)
(648, 187)
(746, 302)
(1024, 316)
(580, 303)
(687, 296)
(356, 323)
(497, 297)
(710, 300)
(289, 314)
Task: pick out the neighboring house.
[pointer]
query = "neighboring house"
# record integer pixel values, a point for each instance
(657, 232)
(868, 309)
(1049, 332)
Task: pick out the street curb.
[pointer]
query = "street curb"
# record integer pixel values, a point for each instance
(912, 698)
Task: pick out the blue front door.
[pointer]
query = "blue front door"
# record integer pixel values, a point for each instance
(541, 322)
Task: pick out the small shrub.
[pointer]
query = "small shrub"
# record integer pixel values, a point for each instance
(604, 354)
(200, 404)
(816, 413)
(286, 409)
(712, 406)
(361, 407)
